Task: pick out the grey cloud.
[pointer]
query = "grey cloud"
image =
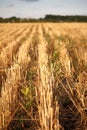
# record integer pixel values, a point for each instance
(30, 0)
(11, 5)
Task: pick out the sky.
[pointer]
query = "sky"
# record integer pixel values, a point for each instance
(39, 8)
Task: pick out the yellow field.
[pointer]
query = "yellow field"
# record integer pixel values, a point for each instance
(43, 76)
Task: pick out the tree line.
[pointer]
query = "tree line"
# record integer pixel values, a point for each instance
(59, 18)
(47, 18)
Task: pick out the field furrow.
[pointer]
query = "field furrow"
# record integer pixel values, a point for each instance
(45, 94)
(9, 90)
(10, 37)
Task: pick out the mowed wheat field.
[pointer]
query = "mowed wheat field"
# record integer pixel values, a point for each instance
(43, 76)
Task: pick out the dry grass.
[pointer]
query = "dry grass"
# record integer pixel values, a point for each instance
(43, 76)
(46, 99)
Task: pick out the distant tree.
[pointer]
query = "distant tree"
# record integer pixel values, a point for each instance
(1, 20)
(13, 19)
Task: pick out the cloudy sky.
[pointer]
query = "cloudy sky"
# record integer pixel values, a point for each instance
(38, 8)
